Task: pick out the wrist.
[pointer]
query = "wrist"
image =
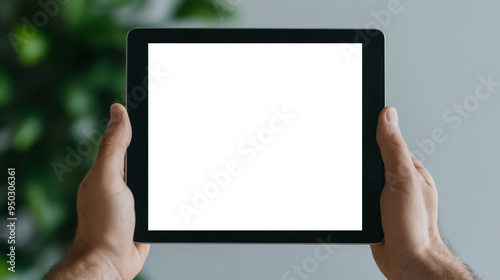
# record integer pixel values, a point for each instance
(84, 263)
(100, 263)
(437, 262)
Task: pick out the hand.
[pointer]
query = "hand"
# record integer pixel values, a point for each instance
(103, 247)
(413, 247)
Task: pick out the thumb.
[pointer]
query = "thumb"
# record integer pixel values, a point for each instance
(114, 143)
(395, 153)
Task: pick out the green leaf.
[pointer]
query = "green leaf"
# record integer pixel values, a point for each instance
(48, 214)
(203, 9)
(28, 132)
(33, 50)
(75, 13)
(78, 100)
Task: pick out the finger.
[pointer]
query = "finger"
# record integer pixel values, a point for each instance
(114, 143)
(393, 148)
(418, 165)
(422, 170)
(143, 250)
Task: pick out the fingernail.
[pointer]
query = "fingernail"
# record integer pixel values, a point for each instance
(114, 114)
(392, 116)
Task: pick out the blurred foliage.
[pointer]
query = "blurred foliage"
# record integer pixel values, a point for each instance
(204, 9)
(61, 67)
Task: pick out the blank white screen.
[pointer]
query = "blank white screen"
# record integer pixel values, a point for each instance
(215, 108)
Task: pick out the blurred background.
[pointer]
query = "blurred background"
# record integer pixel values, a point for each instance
(62, 63)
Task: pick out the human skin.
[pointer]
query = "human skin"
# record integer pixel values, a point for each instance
(103, 247)
(413, 247)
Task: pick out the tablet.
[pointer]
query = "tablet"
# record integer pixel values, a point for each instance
(255, 135)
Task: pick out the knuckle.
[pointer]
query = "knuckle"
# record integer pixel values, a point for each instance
(112, 141)
(108, 140)
(395, 139)
(400, 179)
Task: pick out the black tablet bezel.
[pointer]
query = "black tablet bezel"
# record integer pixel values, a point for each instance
(373, 64)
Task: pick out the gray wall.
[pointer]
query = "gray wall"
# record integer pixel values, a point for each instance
(435, 54)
